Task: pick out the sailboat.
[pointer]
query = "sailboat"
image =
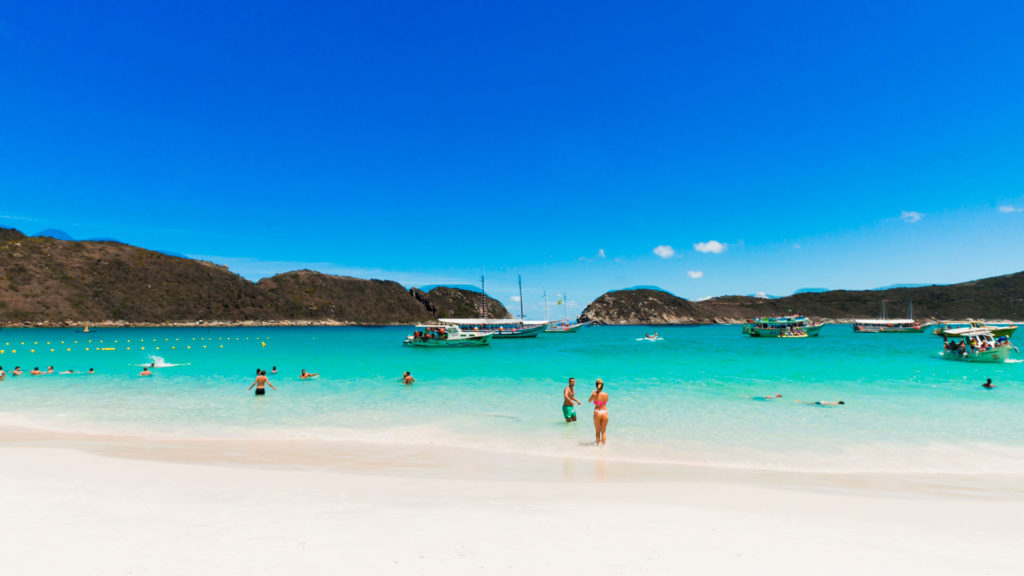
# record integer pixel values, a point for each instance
(896, 325)
(564, 326)
(499, 327)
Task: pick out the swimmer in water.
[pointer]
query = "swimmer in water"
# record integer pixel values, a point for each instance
(2, 374)
(988, 383)
(273, 370)
(49, 370)
(407, 378)
(261, 381)
(35, 371)
(69, 371)
(17, 371)
(763, 398)
(145, 372)
(822, 403)
(91, 371)
(305, 374)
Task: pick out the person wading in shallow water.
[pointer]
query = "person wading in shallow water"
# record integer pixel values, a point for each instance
(260, 382)
(600, 399)
(569, 401)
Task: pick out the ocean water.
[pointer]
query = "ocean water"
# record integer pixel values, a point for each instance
(685, 399)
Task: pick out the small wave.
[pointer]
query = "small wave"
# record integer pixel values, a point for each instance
(159, 362)
(1016, 361)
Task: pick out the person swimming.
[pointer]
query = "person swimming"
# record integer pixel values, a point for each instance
(16, 371)
(407, 378)
(261, 381)
(988, 383)
(145, 371)
(764, 398)
(822, 403)
(35, 371)
(305, 374)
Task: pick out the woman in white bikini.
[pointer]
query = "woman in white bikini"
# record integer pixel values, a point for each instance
(600, 399)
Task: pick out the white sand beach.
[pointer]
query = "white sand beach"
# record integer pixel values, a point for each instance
(80, 511)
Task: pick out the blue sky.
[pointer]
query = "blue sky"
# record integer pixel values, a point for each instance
(707, 148)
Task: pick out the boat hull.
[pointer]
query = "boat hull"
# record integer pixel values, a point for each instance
(887, 329)
(528, 332)
(571, 329)
(757, 332)
(468, 342)
(997, 331)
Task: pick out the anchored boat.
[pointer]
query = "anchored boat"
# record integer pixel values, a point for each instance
(976, 345)
(947, 329)
(446, 336)
(565, 327)
(896, 325)
(782, 327)
(500, 327)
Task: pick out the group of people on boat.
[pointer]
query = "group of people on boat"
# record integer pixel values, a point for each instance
(432, 334)
(973, 344)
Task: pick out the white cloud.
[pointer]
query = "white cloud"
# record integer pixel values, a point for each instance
(711, 246)
(910, 216)
(664, 251)
(1007, 209)
(514, 298)
(600, 253)
(695, 273)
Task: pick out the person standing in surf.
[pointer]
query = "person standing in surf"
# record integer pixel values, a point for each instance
(261, 382)
(569, 401)
(600, 399)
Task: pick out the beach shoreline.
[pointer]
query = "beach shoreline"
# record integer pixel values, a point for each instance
(441, 461)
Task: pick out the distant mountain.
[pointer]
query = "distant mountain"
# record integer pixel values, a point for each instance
(643, 306)
(46, 280)
(1001, 297)
(56, 234)
(465, 287)
(648, 287)
(810, 290)
(891, 286)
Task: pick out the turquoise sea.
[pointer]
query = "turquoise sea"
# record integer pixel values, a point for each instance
(684, 399)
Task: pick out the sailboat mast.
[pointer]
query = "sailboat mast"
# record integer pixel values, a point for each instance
(483, 290)
(565, 305)
(522, 315)
(546, 319)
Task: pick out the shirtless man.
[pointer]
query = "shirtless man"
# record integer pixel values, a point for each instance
(49, 370)
(407, 378)
(260, 382)
(2, 374)
(35, 371)
(17, 371)
(569, 401)
(145, 371)
(305, 374)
